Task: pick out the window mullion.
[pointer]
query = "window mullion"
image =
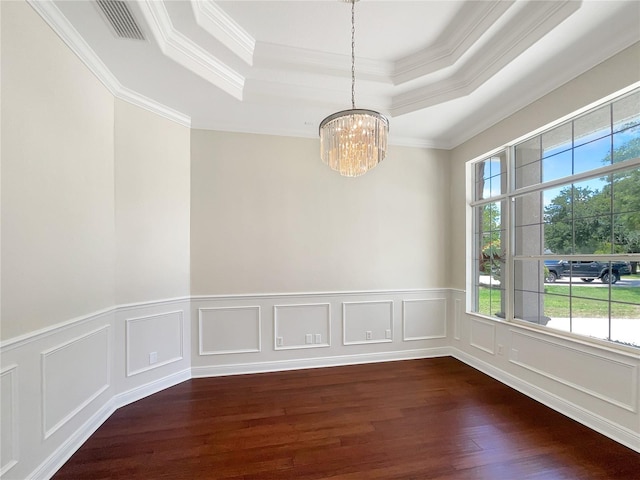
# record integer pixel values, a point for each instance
(509, 240)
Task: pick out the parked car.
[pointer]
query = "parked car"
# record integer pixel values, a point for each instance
(587, 270)
(554, 270)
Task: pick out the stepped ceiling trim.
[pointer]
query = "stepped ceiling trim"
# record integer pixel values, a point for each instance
(271, 55)
(460, 35)
(221, 26)
(471, 23)
(226, 66)
(533, 23)
(471, 72)
(184, 51)
(70, 36)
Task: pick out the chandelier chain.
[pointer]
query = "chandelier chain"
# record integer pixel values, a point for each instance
(352, 142)
(353, 54)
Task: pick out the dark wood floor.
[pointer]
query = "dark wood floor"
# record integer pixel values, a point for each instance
(435, 418)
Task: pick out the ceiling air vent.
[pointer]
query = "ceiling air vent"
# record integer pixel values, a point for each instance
(119, 16)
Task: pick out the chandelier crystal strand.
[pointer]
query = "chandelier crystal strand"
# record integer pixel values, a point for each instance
(354, 141)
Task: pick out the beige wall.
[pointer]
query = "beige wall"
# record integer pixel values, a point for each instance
(95, 193)
(82, 231)
(267, 216)
(152, 206)
(610, 76)
(57, 179)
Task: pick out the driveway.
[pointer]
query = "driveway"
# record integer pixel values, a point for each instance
(487, 280)
(623, 282)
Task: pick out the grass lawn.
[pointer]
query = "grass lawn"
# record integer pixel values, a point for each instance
(586, 301)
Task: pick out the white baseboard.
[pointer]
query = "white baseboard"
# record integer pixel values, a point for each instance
(58, 458)
(299, 364)
(616, 432)
(142, 391)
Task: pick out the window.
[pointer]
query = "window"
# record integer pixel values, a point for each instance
(556, 236)
(489, 234)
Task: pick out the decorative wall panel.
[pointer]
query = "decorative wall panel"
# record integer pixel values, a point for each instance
(483, 335)
(229, 330)
(153, 341)
(367, 322)
(424, 319)
(302, 326)
(8, 419)
(69, 385)
(610, 379)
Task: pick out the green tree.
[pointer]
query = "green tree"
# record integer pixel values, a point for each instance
(625, 188)
(581, 220)
(629, 149)
(574, 221)
(491, 234)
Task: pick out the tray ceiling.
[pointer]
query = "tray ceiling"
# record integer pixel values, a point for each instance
(442, 71)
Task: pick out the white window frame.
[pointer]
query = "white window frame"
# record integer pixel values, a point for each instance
(508, 214)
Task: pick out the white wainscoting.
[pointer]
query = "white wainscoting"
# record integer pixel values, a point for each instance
(61, 383)
(224, 330)
(302, 326)
(424, 319)
(595, 385)
(483, 335)
(153, 341)
(69, 385)
(458, 309)
(55, 402)
(367, 322)
(306, 330)
(9, 450)
(557, 360)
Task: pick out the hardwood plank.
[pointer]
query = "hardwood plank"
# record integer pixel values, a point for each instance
(433, 418)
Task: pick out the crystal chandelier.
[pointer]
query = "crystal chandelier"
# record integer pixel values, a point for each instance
(353, 141)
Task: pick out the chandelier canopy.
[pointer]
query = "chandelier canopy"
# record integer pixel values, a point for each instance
(353, 141)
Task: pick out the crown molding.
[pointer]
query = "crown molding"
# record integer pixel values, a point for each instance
(222, 27)
(152, 106)
(187, 53)
(533, 22)
(275, 130)
(280, 93)
(468, 26)
(505, 43)
(70, 36)
(269, 55)
(513, 104)
(416, 143)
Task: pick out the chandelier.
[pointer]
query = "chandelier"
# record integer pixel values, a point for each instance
(353, 141)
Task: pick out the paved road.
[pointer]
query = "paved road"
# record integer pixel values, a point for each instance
(623, 282)
(597, 283)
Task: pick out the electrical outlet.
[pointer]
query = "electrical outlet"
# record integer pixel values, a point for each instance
(153, 358)
(318, 338)
(279, 341)
(387, 333)
(500, 350)
(308, 338)
(368, 335)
